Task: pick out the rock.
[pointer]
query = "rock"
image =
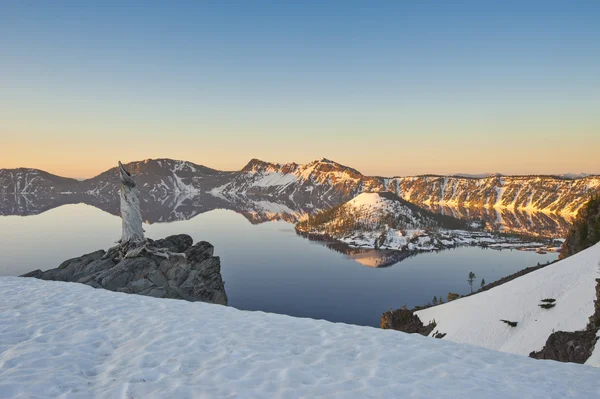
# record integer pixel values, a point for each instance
(140, 285)
(35, 274)
(200, 251)
(92, 268)
(574, 347)
(594, 323)
(82, 260)
(176, 243)
(157, 278)
(585, 230)
(406, 321)
(169, 268)
(73, 269)
(208, 266)
(157, 292)
(116, 280)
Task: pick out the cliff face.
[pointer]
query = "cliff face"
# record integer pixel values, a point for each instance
(533, 193)
(585, 231)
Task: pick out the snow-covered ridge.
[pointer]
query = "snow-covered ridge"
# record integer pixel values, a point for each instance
(529, 193)
(327, 181)
(34, 182)
(323, 179)
(476, 319)
(69, 340)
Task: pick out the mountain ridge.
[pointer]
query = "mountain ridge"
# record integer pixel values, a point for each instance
(321, 179)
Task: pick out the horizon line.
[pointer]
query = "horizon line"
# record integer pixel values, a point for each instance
(563, 175)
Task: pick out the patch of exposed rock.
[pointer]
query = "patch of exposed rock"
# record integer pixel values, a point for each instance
(585, 231)
(573, 347)
(172, 267)
(577, 346)
(406, 321)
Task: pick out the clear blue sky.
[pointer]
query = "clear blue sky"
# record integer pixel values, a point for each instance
(391, 88)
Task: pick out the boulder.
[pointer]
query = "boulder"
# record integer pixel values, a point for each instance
(406, 321)
(574, 347)
(168, 268)
(177, 243)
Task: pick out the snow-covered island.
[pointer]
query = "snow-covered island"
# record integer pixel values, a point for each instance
(69, 340)
(382, 220)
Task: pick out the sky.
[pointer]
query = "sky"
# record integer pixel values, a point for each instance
(389, 88)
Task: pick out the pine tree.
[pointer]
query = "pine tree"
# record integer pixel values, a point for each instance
(435, 300)
(472, 277)
(482, 283)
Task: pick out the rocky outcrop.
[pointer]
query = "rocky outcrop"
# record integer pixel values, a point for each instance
(595, 318)
(576, 346)
(585, 230)
(172, 267)
(406, 321)
(573, 347)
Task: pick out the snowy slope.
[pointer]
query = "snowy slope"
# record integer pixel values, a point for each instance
(69, 340)
(476, 319)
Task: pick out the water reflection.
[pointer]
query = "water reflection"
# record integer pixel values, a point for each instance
(376, 258)
(267, 266)
(537, 224)
(182, 206)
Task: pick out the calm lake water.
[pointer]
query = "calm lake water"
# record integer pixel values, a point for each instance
(267, 266)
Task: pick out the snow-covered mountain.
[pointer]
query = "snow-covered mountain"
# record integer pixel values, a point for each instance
(382, 220)
(158, 178)
(34, 182)
(323, 180)
(569, 284)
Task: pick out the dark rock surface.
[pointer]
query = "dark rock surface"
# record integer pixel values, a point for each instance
(574, 347)
(594, 323)
(406, 321)
(585, 231)
(177, 269)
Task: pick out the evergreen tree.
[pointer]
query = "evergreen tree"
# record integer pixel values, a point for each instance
(435, 300)
(482, 283)
(472, 277)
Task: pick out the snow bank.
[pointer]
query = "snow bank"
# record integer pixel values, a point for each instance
(69, 340)
(476, 319)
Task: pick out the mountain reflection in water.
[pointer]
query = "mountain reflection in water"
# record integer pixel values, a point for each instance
(184, 206)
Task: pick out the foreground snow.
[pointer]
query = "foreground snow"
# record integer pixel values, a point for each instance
(476, 319)
(69, 340)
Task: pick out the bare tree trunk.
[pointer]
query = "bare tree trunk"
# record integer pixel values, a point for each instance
(131, 216)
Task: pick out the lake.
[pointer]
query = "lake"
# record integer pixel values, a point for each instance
(267, 266)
